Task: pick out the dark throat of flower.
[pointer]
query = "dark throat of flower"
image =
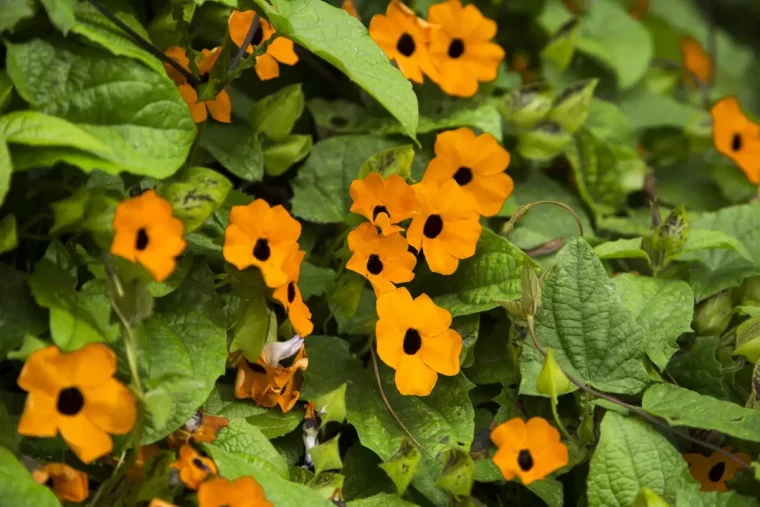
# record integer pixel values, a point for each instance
(412, 342)
(70, 401)
(456, 48)
(736, 142)
(261, 250)
(291, 292)
(406, 45)
(463, 176)
(716, 472)
(433, 226)
(525, 460)
(141, 240)
(201, 465)
(257, 37)
(374, 265)
(257, 368)
(377, 210)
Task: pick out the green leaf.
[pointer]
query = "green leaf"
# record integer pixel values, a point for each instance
(668, 239)
(363, 478)
(197, 194)
(700, 239)
(402, 466)
(458, 473)
(381, 500)
(276, 114)
(30, 345)
(748, 339)
(61, 13)
(255, 324)
(468, 328)
(8, 238)
(396, 160)
(663, 308)
(8, 436)
(280, 156)
(15, 11)
(326, 483)
(140, 124)
(570, 108)
(19, 315)
(528, 105)
(683, 407)
(700, 370)
(6, 168)
(348, 47)
(332, 406)
(622, 249)
(631, 455)
(246, 442)
(157, 478)
(314, 279)
(542, 142)
(595, 338)
(691, 498)
(6, 91)
(326, 456)
(18, 488)
(492, 363)
(648, 498)
(69, 211)
(237, 148)
(560, 48)
(645, 110)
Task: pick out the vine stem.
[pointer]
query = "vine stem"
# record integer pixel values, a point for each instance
(523, 210)
(246, 42)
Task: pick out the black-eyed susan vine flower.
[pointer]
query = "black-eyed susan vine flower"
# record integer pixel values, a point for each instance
(350, 7)
(446, 227)
(713, 471)
(201, 427)
(158, 502)
(461, 49)
(696, 60)
(737, 137)
(193, 468)
(75, 394)
(404, 38)
(262, 236)
(147, 232)
(242, 492)
(414, 337)
(67, 483)
(476, 164)
(279, 50)
(529, 450)
(289, 295)
(383, 260)
(384, 202)
(220, 107)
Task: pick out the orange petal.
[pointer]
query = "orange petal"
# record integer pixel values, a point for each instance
(221, 107)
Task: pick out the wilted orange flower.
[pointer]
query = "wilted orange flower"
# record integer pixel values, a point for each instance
(146, 231)
(193, 468)
(280, 50)
(736, 137)
(529, 450)
(221, 107)
(696, 60)
(383, 260)
(67, 483)
(712, 472)
(258, 381)
(75, 393)
(446, 226)
(349, 7)
(476, 163)
(263, 237)
(404, 38)
(383, 202)
(414, 338)
(242, 492)
(460, 47)
(201, 427)
(291, 390)
(289, 295)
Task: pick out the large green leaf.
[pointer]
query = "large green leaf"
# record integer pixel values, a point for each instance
(594, 336)
(196, 195)
(18, 488)
(6, 168)
(248, 442)
(700, 369)
(19, 314)
(139, 119)
(381, 500)
(648, 110)
(341, 40)
(692, 498)
(61, 13)
(236, 147)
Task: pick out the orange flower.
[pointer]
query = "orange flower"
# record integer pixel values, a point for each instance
(476, 163)
(263, 237)
(193, 468)
(289, 295)
(712, 472)
(383, 260)
(201, 427)
(258, 381)
(696, 60)
(280, 50)
(383, 202)
(736, 137)
(67, 483)
(293, 382)
(460, 47)
(75, 393)
(529, 450)
(446, 227)
(147, 232)
(242, 492)
(414, 338)
(221, 107)
(157, 502)
(404, 38)
(349, 7)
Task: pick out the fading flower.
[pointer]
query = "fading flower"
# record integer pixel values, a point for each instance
(289, 295)
(531, 450)
(736, 137)
(201, 427)
(75, 394)
(280, 50)
(67, 483)
(193, 468)
(242, 492)
(385, 203)
(383, 260)
(713, 471)
(220, 107)
(696, 60)
(258, 381)
(293, 382)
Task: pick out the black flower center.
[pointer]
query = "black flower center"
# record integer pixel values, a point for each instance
(433, 226)
(525, 460)
(70, 401)
(736, 142)
(463, 176)
(374, 264)
(456, 48)
(716, 472)
(412, 341)
(257, 368)
(377, 210)
(200, 464)
(49, 483)
(406, 45)
(141, 242)
(291, 292)
(261, 250)
(257, 36)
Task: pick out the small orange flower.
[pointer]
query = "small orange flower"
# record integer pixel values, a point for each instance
(736, 137)
(258, 381)
(404, 38)
(75, 393)
(263, 237)
(293, 381)
(157, 502)
(221, 107)
(147, 232)
(383, 260)
(414, 338)
(193, 468)
(242, 492)
(696, 60)
(67, 483)
(446, 226)
(289, 295)
(383, 202)
(529, 450)
(349, 7)
(461, 49)
(280, 50)
(476, 163)
(201, 427)
(712, 472)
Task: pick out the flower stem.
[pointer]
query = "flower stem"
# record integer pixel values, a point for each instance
(523, 210)
(559, 423)
(248, 38)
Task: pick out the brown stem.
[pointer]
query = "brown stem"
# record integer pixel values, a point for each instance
(549, 247)
(248, 38)
(523, 210)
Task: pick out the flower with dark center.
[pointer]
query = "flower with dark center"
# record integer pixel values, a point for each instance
(712, 472)
(412, 342)
(193, 468)
(242, 492)
(67, 483)
(456, 48)
(737, 137)
(406, 45)
(529, 450)
(383, 260)
(279, 51)
(383, 202)
(289, 296)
